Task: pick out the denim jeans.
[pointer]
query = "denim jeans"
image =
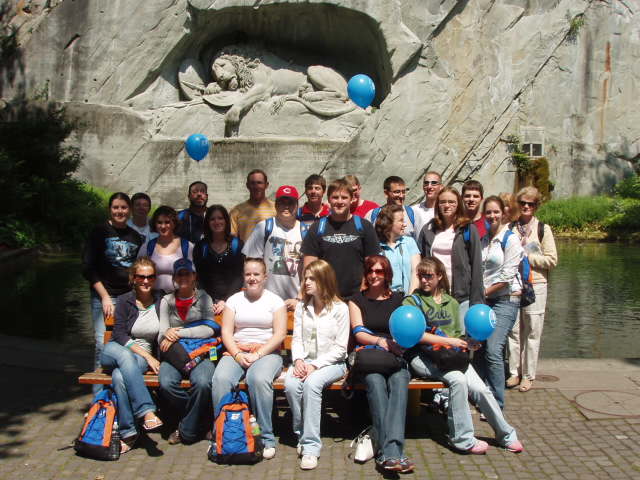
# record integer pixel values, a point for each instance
(387, 398)
(462, 387)
(305, 400)
(134, 399)
(259, 377)
(194, 405)
(489, 360)
(98, 328)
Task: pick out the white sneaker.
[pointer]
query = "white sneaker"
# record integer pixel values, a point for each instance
(308, 462)
(268, 453)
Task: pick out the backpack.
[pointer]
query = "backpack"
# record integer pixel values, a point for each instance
(99, 437)
(322, 224)
(234, 442)
(268, 228)
(184, 246)
(409, 210)
(526, 275)
(235, 247)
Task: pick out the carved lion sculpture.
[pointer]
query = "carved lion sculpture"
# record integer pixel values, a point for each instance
(239, 83)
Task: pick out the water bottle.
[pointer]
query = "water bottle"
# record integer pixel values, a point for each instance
(255, 428)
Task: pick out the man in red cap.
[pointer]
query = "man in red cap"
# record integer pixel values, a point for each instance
(277, 240)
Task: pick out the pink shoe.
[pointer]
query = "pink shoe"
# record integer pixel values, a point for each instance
(480, 448)
(515, 447)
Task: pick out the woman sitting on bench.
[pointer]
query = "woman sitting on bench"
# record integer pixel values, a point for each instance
(130, 352)
(254, 324)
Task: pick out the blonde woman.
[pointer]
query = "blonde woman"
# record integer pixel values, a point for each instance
(539, 245)
(318, 350)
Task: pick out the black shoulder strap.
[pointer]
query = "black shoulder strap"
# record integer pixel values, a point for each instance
(540, 231)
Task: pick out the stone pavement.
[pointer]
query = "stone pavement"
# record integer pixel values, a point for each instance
(581, 421)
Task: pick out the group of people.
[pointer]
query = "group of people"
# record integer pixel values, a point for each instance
(342, 268)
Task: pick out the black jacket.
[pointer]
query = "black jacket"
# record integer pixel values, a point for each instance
(127, 314)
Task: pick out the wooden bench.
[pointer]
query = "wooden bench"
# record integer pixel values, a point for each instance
(151, 380)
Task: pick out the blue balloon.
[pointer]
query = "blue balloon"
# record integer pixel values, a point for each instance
(407, 325)
(361, 90)
(197, 146)
(480, 321)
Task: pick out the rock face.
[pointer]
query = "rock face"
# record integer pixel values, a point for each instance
(453, 80)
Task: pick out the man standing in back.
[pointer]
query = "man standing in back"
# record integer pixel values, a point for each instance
(472, 195)
(359, 206)
(192, 219)
(246, 215)
(139, 221)
(342, 239)
(395, 190)
(425, 210)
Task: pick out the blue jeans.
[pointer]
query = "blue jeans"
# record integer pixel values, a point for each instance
(134, 399)
(489, 360)
(259, 377)
(387, 398)
(462, 387)
(98, 328)
(305, 400)
(194, 405)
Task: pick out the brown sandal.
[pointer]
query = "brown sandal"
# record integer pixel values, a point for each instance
(525, 385)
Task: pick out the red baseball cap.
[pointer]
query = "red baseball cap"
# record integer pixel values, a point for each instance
(287, 191)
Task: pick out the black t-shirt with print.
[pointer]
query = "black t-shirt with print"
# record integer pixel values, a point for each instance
(344, 248)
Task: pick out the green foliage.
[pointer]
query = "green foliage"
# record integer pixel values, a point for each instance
(629, 187)
(42, 203)
(625, 216)
(576, 213)
(575, 24)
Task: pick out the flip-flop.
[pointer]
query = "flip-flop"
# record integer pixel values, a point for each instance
(152, 424)
(126, 444)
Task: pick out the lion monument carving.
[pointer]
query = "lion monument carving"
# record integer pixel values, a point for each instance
(243, 76)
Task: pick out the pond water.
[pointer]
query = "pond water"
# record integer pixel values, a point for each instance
(593, 308)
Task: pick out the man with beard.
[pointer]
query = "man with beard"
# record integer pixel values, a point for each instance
(192, 219)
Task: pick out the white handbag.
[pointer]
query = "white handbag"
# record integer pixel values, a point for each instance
(364, 447)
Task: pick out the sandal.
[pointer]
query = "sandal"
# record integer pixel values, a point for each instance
(126, 444)
(152, 424)
(525, 385)
(513, 381)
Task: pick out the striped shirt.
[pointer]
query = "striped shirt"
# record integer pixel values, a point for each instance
(245, 216)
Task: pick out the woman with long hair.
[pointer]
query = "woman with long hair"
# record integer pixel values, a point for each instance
(539, 245)
(167, 247)
(441, 311)
(454, 240)
(218, 257)
(501, 256)
(254, 324)
(387, 390)
(401, 250)
(318, 351)
(186, 313)
(130, 353)
(110, 251)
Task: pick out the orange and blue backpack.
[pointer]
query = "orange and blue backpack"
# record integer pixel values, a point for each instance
(99, 437)
(235, 442)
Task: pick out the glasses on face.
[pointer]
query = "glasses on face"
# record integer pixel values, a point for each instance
(528, 204)
(426, 276)
(376, 271)
(433, 183)
(142, 278)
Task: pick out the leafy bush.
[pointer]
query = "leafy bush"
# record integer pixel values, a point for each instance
(629, 187)
(576, 212)
(625, 215)
(42, 203)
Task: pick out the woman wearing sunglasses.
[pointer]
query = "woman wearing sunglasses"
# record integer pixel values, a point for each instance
(130, 352)
(540, 246)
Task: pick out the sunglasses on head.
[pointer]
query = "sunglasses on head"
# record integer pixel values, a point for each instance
(527, 204)
(142, 278)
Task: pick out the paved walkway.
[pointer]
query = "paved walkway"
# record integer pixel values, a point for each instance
(581, 421)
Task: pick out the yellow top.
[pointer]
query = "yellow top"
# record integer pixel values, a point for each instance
(245, 216)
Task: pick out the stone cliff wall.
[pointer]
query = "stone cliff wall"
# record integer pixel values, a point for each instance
(454, 79)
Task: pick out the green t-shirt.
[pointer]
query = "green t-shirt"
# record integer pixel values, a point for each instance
(444, 315)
